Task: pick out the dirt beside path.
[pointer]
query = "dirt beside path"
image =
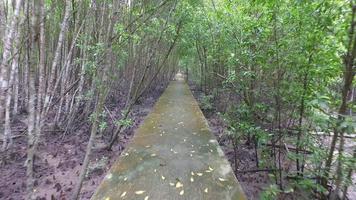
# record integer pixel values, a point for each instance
(59, 161)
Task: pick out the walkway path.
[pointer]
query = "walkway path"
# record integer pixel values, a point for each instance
(173, 155)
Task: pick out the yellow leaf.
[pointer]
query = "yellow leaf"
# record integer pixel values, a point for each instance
(206, 190)
(200, 174)
(222, 180)
(146, 198)
(179, 184)
(163, 178)
(181, 192)
(109, 176)
(191, 179)
(140, 192)
(123, 194)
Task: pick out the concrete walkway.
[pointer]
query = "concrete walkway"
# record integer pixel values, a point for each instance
(173, 155)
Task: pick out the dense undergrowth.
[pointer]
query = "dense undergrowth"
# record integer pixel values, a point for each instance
(279, 73)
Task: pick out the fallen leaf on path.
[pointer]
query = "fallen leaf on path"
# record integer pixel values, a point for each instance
(181, 192)
(179, 184)
(123, 194)
(140, 192)
(222, 180)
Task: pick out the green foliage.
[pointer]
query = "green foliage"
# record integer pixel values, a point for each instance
(283, 63)
(124, 122)
(100, 118)
(270, 193)
(206, 102)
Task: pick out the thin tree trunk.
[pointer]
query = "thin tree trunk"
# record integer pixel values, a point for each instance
(32, 133)
(14, 66)
(98, 109)
(347, 79)
(349, 175)
(4, 65)
(57, 55)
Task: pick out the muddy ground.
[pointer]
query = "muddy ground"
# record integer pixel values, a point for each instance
(60, 157)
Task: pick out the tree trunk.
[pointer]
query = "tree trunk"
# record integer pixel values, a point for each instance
(14, 66)
(347, 79)
(50, 88)
(8, 48)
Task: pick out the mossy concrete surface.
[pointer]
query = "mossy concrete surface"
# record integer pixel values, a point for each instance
(173, 155)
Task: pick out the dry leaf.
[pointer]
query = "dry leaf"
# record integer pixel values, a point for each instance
(222, 180)
(140, 192)
(109, 176)
(181, 192)
(179, 184)
(123, 194)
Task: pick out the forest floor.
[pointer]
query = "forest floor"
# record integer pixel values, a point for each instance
(252, 183)
(59, 161)
(255, 183)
